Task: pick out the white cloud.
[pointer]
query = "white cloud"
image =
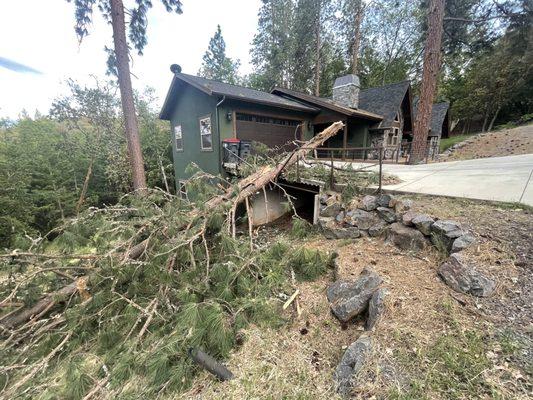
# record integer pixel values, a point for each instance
(40, 34)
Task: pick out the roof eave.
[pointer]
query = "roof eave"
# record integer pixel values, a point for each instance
(305, 109)
(324, 104)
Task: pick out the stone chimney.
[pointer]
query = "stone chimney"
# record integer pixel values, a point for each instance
(346, 91)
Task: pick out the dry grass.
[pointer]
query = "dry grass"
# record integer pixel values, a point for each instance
(432, 342)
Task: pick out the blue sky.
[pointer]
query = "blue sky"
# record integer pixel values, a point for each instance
(39, 49)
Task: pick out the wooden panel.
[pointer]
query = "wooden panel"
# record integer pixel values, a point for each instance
(272, 135)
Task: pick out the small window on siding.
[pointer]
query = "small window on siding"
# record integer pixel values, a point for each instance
(179, 138)
(206, 135)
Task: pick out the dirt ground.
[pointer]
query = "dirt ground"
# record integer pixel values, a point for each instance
(506, 142)
(431, 343)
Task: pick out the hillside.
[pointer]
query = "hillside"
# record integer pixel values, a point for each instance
(506, 142)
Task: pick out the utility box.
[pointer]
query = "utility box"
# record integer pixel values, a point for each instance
(231, 148)
(235, 150)
(245, 149)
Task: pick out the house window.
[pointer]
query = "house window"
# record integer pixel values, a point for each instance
(206, 134)
(182, 190)
(392, 138)
(178, 137)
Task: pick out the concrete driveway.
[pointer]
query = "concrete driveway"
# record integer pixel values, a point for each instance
(498, 178)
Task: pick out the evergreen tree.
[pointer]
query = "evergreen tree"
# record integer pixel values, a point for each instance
(216, 65)
(114, 12)
(272, 45)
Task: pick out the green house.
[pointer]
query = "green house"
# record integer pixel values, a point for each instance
(203, 113)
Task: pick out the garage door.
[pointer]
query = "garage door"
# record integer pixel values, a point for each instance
(273, 132)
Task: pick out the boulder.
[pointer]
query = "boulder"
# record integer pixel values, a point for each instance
(464, 278)
(376, 306)
(348, 299)
(384, 200)
(330, 210)
(378, 228)
(406, 238)
(401, 205)
(387, 214)
(407, 218)
(444, 232)
(339, 218)
(368, 203)
(360, 218)
(462, 242)
(351, 363)
(423, 223)
(331, 230)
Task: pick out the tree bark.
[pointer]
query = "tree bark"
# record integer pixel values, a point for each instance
(126, 95)
(432, 59)
(357, 38)
(485, 120)
(493, 119)
(317, 55)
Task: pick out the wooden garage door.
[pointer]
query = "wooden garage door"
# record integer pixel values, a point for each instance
(271, 131)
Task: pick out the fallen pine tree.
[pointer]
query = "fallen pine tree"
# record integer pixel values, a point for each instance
(112, 304)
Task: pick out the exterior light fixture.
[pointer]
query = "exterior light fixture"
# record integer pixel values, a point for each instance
(229, 115)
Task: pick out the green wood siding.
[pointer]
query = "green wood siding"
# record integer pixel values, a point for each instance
(192, 105)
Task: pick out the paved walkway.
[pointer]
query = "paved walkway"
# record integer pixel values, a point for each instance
(507, 179)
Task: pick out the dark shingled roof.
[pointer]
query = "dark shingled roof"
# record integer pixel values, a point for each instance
(438, 114)
(384, 100)
(212, 87)
(328, 103)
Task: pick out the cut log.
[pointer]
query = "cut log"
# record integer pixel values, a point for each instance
(258, 180)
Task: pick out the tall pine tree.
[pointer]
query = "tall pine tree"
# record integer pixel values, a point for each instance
(216, 65)
(272, 45)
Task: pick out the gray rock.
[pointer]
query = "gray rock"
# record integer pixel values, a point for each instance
(331, 230)
(401, 205)
(387, 214)
(368, 203)
(340, 217)
(384, 200)
(444, 232)
(378, 228)
(407, 218)
(376, 306)
(462, 242)
(423, 223)
(351, 363)
(350, 299)
(406, 238)
(330, 210)
(464, 278)
(360, 218)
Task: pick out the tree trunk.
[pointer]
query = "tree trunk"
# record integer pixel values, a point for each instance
(432, 58)
(485, 120)
(317, 54)
(494, 118)
(357, 38)
(126, 95)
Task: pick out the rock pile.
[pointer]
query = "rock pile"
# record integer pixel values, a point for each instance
(347, 301)
(369, 215)
(390, 217)
(385, 215)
